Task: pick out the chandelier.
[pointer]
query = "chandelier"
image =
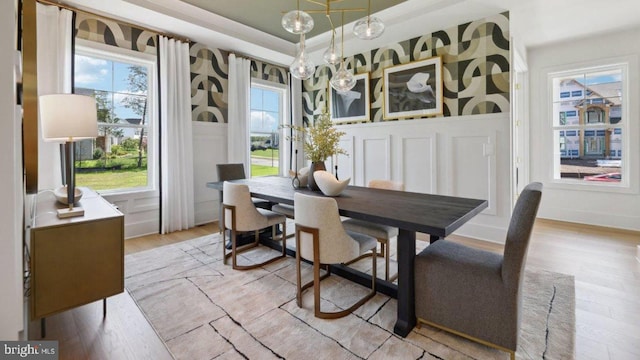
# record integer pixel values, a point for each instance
(300, 22)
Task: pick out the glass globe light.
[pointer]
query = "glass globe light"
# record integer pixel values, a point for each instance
(368, 28)
(331, 55)
(302, 67)
(343, 80)
(297, 22)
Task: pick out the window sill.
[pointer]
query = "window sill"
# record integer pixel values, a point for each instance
(581, 185)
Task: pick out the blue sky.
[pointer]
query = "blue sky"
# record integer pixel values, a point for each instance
(269, 102)
(99, 74)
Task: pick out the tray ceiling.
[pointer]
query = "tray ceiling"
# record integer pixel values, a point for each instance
(265, 15)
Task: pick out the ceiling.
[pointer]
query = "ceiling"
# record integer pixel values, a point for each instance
(265, 15)
(253, 27)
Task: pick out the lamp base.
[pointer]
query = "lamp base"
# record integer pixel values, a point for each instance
(67, 213)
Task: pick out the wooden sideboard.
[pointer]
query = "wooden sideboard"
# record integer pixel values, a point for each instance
(78, 260)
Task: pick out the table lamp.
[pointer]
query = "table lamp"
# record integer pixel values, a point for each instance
(68, 118)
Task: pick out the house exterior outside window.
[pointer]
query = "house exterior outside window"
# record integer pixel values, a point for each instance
(588, 124)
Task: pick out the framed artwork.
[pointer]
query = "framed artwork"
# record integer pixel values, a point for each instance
(352, 105)
(413, 89)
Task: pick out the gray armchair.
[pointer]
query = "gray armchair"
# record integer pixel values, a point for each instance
(475, 293)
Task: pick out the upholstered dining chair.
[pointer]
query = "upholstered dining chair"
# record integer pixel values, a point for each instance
(239, 214)
(236, 172)
(320, 238)
(475, 293)
(383, 233)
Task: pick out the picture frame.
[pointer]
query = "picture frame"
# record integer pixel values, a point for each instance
(413, 89)
(353, 106)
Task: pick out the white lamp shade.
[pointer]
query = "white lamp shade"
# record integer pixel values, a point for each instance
(67, 117)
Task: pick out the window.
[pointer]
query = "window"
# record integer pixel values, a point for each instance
(120, 158)
(267, 104)
(589, 126)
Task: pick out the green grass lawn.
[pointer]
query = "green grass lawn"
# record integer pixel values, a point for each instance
(269, 153)
(130, 176)
(113, 179)
(261, 170)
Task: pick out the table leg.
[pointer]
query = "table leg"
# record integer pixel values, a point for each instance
(104, 307)
(406, 294)
(43, 327)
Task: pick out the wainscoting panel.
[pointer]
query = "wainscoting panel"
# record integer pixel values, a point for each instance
(471, 168)
(376, 159)
(346, 162)
(459, 155)
(141, 211)
(418, 164)
(209, 149)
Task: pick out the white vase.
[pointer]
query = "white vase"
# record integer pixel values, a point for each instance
(328, 183)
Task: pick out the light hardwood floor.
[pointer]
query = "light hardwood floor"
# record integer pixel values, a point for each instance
(602, 260)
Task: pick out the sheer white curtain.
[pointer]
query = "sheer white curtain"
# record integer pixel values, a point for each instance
(239, 111)
(176, 137)
(54, 77)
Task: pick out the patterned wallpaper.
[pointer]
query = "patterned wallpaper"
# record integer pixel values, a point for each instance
(476, 68)
(209, 67)
(210, 78)
(113, 33)
(209, 83)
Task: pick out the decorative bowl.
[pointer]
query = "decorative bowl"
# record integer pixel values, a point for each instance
(328, 183)
(303, 176)
(61, 195)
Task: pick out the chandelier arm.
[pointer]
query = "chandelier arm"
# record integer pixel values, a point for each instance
(332, 11)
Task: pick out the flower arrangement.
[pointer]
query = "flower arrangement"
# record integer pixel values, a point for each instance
(320, 140)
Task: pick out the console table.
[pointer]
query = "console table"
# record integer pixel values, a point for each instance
(75, 261)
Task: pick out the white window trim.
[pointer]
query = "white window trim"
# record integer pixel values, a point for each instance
(90, 48)
(284, 114)
(631, 125)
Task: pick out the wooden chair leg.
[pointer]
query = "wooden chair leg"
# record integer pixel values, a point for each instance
(284, 238)
(235, 250)
(298, 275)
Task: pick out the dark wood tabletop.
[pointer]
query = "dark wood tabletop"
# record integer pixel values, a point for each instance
(436, 215)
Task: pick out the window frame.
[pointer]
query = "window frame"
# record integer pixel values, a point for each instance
(629, 183)
(284, 115)
(113, 53)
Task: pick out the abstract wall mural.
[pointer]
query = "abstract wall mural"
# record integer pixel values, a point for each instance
(210, 78)
(209, 83)
(476, 69)
(475, 56)
(110, 32)
(269, 72)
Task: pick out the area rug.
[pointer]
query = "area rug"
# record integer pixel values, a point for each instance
(203, 309)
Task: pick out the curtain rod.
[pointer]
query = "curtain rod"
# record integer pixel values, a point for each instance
(67, 7)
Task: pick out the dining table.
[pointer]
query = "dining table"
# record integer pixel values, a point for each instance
(436, 215)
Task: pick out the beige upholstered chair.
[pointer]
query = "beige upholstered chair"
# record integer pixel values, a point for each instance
(321, 238)
(475, 293)
(239, 214)
(236, 172)
(383, 233)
